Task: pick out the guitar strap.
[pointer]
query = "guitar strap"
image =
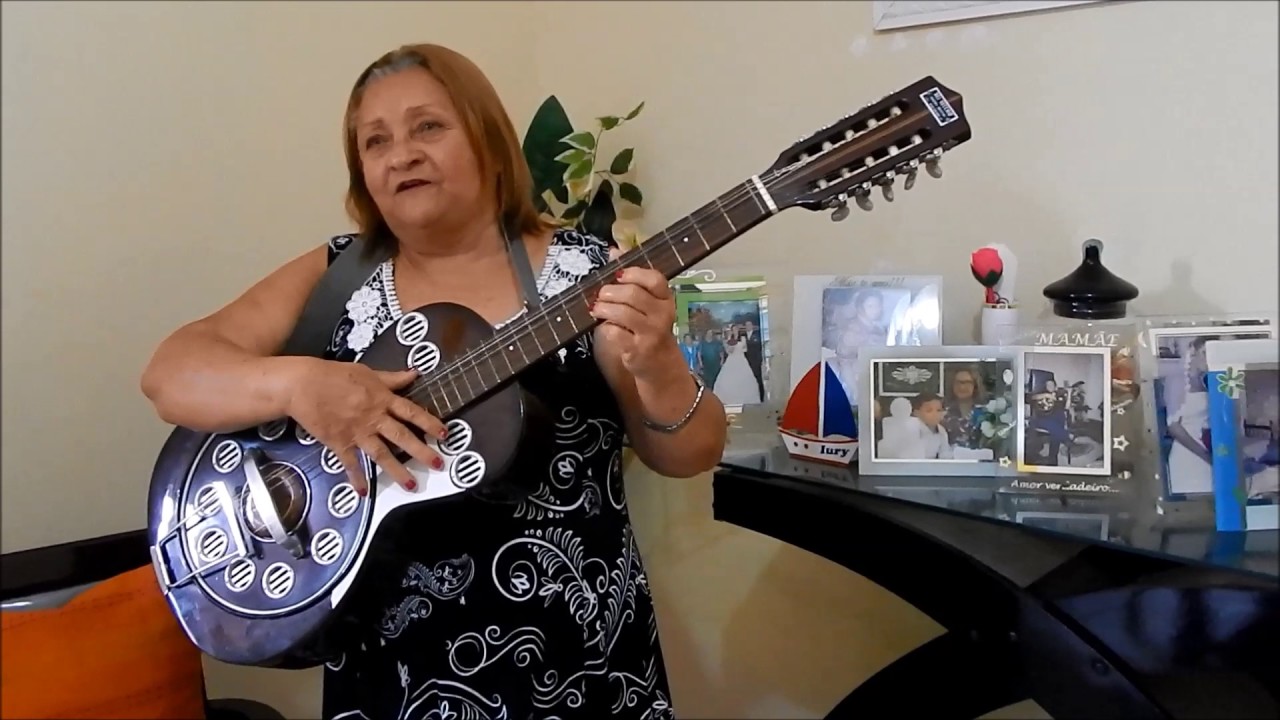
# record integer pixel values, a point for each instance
(329, 298)
(524, 268)
(312, 333)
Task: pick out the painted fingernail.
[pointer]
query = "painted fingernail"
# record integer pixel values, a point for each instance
(618, 275)
(411, 486)
(437, 464)
(362, 492)
(444, 432)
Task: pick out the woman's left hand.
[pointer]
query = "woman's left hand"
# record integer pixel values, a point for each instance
(638, 311)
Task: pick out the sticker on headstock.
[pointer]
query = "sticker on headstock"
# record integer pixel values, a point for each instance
(938, 106)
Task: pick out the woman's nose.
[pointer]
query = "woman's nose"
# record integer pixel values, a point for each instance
(405, 156)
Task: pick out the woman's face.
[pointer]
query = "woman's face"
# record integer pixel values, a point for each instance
(962, 385)
(418, 164)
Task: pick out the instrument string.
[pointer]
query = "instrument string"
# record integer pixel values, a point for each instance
(526, 325)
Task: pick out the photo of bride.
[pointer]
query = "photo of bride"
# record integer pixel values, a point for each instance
(724, 344)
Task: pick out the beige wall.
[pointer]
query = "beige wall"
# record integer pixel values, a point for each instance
(158, 157)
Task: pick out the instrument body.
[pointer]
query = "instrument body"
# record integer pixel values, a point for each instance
(260, 543)
(251, 598)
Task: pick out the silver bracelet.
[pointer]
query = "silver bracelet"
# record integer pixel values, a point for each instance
(697, 400)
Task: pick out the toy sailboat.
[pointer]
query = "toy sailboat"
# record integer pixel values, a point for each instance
(818, 423)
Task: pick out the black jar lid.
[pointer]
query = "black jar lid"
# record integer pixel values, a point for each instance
(1091, 291)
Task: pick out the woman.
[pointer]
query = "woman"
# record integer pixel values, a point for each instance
(965, 393)
(710, 355)
(536, 610)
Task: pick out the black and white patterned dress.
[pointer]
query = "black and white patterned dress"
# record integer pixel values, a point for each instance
(538, 610)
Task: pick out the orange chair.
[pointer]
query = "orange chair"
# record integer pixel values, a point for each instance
(85, 633)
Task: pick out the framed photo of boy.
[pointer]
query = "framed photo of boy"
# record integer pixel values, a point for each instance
(836, 317)
(1176, 363)
(723, 329)
(1243, 377)
(1064, 411)
(946, 410)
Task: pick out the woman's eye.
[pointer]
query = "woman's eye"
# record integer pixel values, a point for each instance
(426, 125)
(372, 140)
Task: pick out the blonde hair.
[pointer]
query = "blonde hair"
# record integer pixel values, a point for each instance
(487, 126)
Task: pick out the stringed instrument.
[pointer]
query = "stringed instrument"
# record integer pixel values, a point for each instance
(258, 539)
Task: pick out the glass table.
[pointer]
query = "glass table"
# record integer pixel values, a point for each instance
(1092, 606)
(1129, 520)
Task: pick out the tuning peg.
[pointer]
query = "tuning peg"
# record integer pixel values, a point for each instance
(909, 170)
(862, 196)
(839, 206)
(934, 166)
(886, 186)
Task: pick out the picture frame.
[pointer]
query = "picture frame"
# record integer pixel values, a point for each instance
(1177, 420)
(938, 411)
(896, 14)
(1064, 405)
(723, 329)
(1243, 379)
(835, 317)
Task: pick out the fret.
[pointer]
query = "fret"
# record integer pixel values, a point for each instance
(454, 382)
(497, 377)
(701, 237)
(676, 252)
(725, 214)
(468, 383)
(506, 356)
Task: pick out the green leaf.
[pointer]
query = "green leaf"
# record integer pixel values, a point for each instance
(622, 162)
(573, 156)
(609, 122)
(584, 140)
(561, 193)
(543, 141)
(632, 115)
(630, 193)
(577, 171)
(573, 212)
(600, 216)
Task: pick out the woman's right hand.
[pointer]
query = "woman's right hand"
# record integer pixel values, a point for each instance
(349, 407)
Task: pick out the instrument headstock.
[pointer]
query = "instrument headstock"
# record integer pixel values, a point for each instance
(872, 147)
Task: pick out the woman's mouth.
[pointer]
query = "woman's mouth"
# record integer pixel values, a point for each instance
(410, 184)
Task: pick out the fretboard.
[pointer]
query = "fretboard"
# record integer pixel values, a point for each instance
(566, 316)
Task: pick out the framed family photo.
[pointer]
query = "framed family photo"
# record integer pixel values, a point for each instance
(1178, 402)
(948, 410)
(1243, 377)
(1064, 411)
(723, 327)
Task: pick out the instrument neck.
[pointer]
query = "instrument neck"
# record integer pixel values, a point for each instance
(565, 317)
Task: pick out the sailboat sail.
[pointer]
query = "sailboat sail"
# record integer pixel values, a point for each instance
(837, 413)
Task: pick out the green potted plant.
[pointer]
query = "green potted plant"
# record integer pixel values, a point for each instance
(568, 185)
